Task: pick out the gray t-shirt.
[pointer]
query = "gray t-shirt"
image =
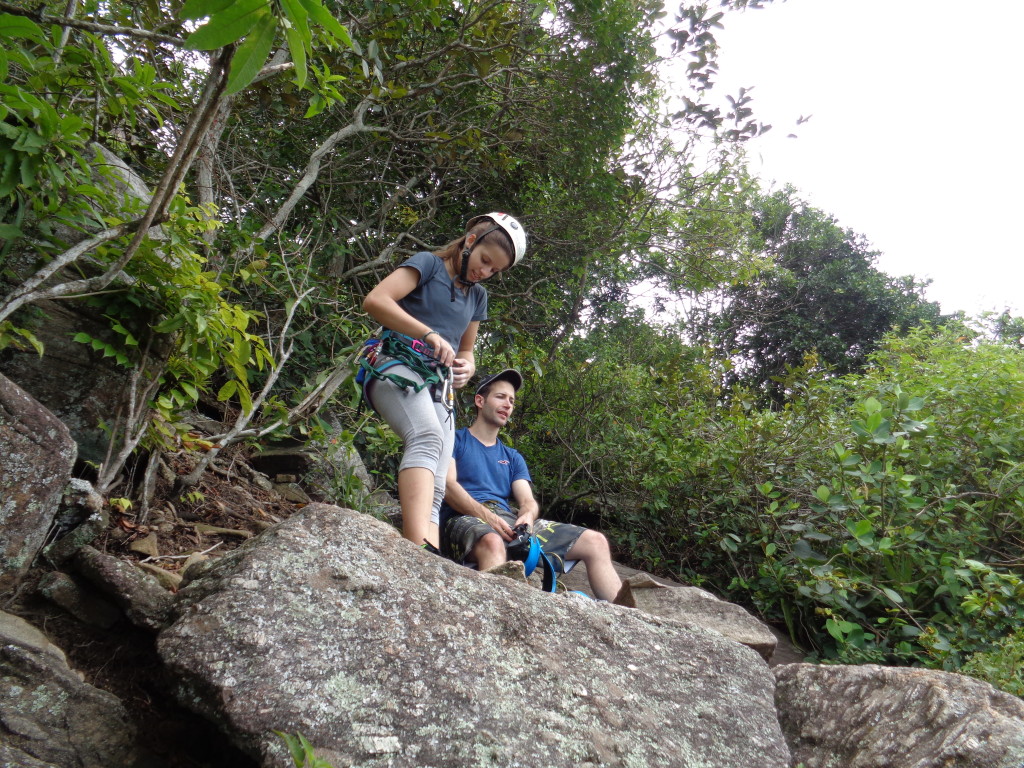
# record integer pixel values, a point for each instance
(431, 300)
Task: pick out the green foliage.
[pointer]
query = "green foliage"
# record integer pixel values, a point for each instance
(14, 337)
(608, 431)
(819, 293)
(255, 23)
(877, 515)
(1002, 665)
(303, 753)
(171, 308)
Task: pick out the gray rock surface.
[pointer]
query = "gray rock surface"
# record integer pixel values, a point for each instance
(78, 599)
(886, 717)
(35, 465)
(48, 715)
(332, 626)
(143, 600)
(692, 604)
(81, 518)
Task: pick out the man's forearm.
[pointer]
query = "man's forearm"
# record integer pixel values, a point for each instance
(458, 498)
(529, 511)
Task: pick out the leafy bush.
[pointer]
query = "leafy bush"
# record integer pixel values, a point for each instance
(1002, 665)
(878, 515)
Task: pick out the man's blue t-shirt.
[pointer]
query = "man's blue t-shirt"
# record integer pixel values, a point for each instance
(487, 471)
(431, 300)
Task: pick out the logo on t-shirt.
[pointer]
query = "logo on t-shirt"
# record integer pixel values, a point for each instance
(503, 461)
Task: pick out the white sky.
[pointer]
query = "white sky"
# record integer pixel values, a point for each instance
(916, 135)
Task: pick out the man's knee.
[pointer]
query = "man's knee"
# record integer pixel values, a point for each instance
(590, 544)
(490, 547)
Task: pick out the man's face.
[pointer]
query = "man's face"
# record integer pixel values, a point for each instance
(496, 407)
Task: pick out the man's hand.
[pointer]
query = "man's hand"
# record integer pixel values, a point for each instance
(497, 522)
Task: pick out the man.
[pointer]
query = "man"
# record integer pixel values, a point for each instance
(486, 474)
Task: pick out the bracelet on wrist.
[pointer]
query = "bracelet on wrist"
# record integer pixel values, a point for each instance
(423, 338)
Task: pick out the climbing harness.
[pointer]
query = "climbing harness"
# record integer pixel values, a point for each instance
(393, 349)
(527, 547)
(549, 580)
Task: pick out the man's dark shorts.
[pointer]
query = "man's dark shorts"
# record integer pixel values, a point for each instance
(462, 532)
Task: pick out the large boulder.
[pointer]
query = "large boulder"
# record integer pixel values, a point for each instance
(888, 717)
(695, 605)
(49, 717)
(35, 465)
(333, 626)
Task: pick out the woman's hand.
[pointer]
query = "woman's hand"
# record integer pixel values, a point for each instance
(442, 349)
(462, 371)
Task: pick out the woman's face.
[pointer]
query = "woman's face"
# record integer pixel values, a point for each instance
(486, 259)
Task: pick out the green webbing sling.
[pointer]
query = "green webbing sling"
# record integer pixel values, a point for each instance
(393, 346)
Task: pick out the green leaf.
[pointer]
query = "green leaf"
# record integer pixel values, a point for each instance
(297, 16)
(198, 9)
(170, 324)
(245, 400)
(832, 626)
(859, 527)
(252, 54)
(9, 231)
(12, 26)
(802, 551)
(297, 48)
(227, 391)
(823, 493)
(323, 17)
(316, 105)
(31, 339)
(226, 27)
(298, 36)
(892, 595)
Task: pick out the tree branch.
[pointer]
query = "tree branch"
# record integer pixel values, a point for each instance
(90, 26)
(184, 153)
(26, 293)
(238, 432)
(313, 169)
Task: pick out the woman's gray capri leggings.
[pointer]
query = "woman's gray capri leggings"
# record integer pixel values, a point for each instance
(427, 428)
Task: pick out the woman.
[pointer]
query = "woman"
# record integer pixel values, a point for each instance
(431, 307)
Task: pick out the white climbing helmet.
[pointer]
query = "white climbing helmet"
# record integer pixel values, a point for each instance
(511, 227)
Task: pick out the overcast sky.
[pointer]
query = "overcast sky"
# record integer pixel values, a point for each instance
(915, 131)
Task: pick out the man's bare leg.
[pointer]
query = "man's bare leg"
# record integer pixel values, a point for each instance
(489, 552)
(592, 548)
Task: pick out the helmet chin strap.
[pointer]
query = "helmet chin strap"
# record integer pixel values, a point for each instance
(462, 271)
